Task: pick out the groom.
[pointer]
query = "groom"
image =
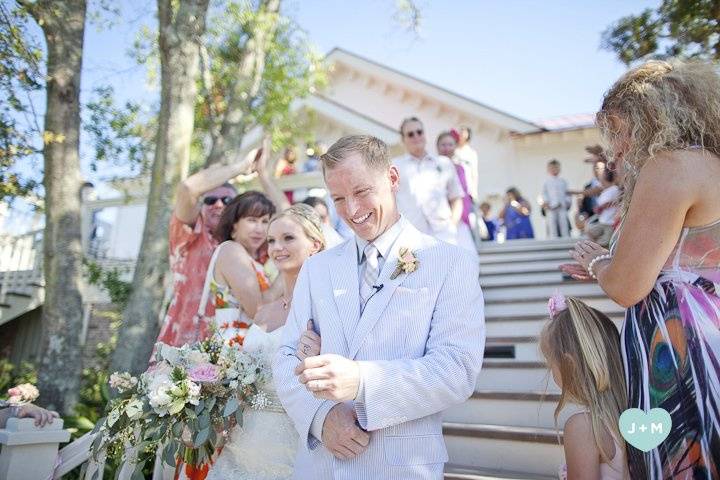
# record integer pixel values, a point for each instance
(401, 319)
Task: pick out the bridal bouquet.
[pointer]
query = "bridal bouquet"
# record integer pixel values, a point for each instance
(184, 402)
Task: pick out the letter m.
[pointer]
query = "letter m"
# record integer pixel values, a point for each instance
(656, 427)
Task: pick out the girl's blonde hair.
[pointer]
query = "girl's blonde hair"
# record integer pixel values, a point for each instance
(584, 345)
(665, 106)
(307, 218)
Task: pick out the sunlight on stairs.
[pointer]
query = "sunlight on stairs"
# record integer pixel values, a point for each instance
(506, 430)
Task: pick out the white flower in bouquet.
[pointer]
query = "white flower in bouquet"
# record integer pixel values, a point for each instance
(193, 392)
(196, 357)
(248, 378)
(168, 353)
(122, 382)
(24, 393)
(159, 397)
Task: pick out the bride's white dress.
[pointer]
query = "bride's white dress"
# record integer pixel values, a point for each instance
(264, 447)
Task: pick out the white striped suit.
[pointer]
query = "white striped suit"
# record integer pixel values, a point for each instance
(419, 341)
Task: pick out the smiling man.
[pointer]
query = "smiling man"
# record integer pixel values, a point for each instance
(400, 316)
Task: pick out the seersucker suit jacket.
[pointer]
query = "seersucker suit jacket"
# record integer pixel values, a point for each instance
(419, 343)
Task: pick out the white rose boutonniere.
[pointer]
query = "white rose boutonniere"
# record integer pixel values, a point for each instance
(407, 262)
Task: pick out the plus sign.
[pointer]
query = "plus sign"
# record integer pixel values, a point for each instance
(643, 428)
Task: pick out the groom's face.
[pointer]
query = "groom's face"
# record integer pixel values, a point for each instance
(364, 197)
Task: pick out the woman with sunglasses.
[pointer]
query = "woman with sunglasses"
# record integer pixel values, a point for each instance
(199, 202)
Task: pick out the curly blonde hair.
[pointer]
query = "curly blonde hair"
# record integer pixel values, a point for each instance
(665, 106)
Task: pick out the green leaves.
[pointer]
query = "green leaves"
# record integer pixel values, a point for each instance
(230, 407)
(120, 135)
(201, 437)
(169, 453)
(685, 28)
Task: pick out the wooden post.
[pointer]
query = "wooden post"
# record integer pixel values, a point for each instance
(30, 452)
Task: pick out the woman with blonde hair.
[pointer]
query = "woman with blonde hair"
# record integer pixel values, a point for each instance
(582, 348)
(265, 445)
(661, 122)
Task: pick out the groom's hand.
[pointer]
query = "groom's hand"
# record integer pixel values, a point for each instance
(341, 435)
(332, 377)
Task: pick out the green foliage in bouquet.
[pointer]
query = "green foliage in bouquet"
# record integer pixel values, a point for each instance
(184, 404)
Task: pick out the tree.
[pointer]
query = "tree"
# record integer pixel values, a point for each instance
(677, 28)
(63, 26)
(21, 78)
(180, 28)
(243, 90)
(254, 63)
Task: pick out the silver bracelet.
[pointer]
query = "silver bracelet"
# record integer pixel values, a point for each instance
(606, 256)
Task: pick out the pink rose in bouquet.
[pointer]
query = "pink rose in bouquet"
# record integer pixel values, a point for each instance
(204, 373)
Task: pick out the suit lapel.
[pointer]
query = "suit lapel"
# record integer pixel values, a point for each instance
(343, 271)
(377, 304)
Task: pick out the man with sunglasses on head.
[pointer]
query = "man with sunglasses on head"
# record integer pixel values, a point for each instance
(430, 194)
(199, 202)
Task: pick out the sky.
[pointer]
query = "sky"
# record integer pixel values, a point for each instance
(532, 59)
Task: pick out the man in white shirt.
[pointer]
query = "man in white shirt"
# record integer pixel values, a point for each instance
(430, 194)
(469, 160)
(556, 202)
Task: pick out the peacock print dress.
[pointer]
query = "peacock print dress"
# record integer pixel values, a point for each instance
(671, 350)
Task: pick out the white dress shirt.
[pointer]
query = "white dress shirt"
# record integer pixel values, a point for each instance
(427, 186)
(555, 193)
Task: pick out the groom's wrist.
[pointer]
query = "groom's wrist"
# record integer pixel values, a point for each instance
(318, 421)
(360, 395)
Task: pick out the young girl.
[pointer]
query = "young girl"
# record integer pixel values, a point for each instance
(582, 349)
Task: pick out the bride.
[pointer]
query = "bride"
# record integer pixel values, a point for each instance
(264, 447)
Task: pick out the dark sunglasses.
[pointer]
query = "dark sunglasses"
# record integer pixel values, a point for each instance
(211, 200)
(412, 134)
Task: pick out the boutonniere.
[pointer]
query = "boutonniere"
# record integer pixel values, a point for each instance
(407, 262)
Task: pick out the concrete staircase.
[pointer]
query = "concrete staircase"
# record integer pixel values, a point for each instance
(506, 430)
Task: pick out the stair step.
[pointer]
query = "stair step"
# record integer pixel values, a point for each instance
(520, 267)
(515, 376)
(528, 325)
(536, 246)
(515, 257)
(542, 291)
(511, 279)
(523, 348)
(536, 451)
(19, 294)
(515, 409)
(464, 472)
(503, 432)
(522, 244)
(525, 307)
